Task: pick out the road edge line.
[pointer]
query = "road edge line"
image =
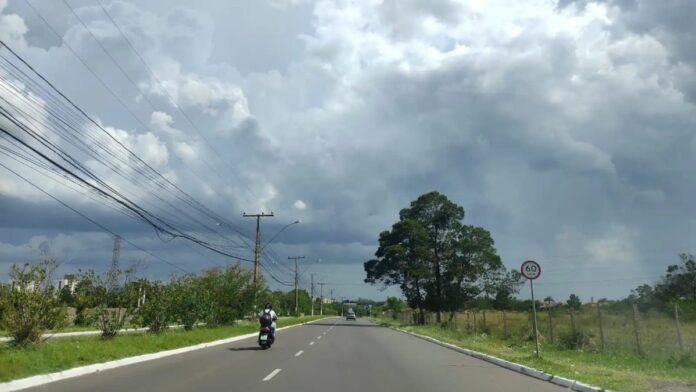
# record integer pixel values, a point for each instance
(573, 385)
(42, 379)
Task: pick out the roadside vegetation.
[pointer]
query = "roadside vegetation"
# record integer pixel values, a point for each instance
(615, 370)
(457, 289)
(210, 305)
(65, 353)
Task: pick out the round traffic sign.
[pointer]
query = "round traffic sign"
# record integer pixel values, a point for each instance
(530, 269)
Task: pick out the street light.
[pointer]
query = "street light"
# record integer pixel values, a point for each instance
(278, 233)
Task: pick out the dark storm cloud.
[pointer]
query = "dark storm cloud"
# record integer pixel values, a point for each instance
(565, 129)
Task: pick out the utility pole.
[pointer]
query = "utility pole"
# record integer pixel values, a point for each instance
(257, 248)
(321, 296)
(297, 278)
(312, 291)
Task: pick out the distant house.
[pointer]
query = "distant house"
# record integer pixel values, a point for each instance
(24, 286)
(69, 281)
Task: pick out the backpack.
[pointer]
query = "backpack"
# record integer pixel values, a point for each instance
(266, 320)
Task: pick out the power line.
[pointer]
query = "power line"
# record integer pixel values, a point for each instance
(153, 220)
(90, 219)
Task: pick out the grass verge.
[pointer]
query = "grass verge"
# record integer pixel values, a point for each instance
(617, 371)
(65, 353)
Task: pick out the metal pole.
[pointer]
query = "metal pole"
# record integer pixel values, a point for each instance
(321, 298)
(296, 297)
(601, 325)
(312, 296)
(536, 331)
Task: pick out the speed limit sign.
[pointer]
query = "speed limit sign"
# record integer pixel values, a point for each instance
(530, 269)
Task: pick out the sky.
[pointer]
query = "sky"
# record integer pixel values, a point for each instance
(565, 127)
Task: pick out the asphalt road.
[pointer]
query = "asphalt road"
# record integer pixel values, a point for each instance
(329, 355)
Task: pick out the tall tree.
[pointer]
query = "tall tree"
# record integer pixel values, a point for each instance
(438, 262)
(441, 220)
(402, 259)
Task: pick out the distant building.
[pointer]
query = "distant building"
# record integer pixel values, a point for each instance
(69, 281)
(24, 286)
(328, 300)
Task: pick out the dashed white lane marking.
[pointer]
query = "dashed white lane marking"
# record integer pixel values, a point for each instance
(319, 337)
(299, 353)
(311, 343)
(271, 375)
(324, 333)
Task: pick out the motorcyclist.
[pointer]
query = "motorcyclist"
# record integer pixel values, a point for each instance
(268, 309)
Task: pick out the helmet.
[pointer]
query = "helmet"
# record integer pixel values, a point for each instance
(268, 305)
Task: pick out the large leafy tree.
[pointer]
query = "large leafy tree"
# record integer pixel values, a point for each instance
(438, 262)
(402, 259)
(680, 280)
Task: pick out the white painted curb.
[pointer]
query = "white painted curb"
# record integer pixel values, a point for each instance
(573, 385)
(42, 379)
(90, 332)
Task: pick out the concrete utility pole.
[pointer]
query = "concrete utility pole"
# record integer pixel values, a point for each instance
(257, 248)
(312, 290)
(321, 298)
(297, 278)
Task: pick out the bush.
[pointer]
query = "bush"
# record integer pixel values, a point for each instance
(112, 296)
(156, 313)
(577, 341)
(30, 308)
(187, 300)
(229, 294)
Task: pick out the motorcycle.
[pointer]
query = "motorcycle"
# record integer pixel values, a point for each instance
(266, 339)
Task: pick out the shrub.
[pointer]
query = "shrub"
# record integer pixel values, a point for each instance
(187, 301)
(229, 294)
(30, 308)
(577, 341)
(112, 296)
(156, 313)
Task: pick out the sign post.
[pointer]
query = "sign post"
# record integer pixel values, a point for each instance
(531, 270)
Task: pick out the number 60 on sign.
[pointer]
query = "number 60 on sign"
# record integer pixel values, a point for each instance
(530, 269)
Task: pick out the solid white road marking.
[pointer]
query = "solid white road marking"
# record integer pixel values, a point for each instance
(299, 353)
(270, 376)
(311, 343)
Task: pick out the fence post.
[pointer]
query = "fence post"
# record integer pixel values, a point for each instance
(676, 323)
(636, 328)
(455, 321)
(601, 325)
(475, 326)
(468, 322)
(484, 319)
(573, 328)
(506, 335)
(550, 326)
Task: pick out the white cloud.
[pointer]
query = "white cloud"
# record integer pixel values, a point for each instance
(299, 205)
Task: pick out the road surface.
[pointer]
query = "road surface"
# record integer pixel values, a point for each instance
(328, 355)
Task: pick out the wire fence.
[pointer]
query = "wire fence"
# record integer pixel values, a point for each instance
(593, 327)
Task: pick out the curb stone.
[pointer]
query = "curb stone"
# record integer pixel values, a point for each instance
(34, 381)
(573, 385)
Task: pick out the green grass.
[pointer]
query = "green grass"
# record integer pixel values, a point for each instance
(65, 353)
(614, 370)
